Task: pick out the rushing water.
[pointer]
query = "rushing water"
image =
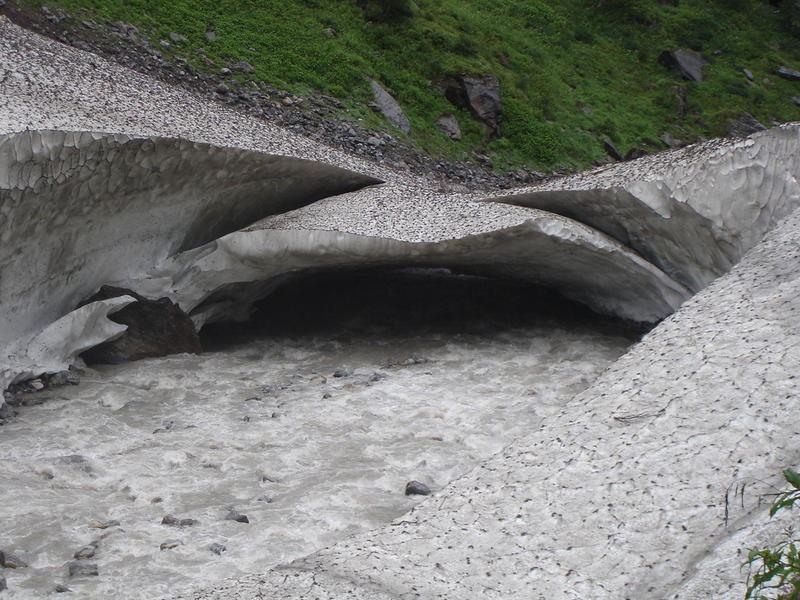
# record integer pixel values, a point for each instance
(309, 421)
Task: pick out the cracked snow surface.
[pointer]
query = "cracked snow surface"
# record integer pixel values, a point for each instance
(622, 494)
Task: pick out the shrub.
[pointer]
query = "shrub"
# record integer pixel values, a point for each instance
(777, 570)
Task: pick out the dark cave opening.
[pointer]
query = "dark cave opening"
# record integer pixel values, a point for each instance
(396, 302)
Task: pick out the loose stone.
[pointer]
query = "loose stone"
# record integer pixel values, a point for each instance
(85, 552)
(176, 522)
(416, 488)
(61, 589)
(217, 548)
(237, 516)
(82, 569)
(9, 561)
(170, 544)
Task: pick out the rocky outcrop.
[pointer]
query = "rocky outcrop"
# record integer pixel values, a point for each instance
(389, 107)
(154, 328)
(478, 94)
(688, 64)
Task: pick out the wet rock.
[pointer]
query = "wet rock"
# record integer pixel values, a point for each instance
(61, 589)
(77, 462)
(788, 73)
(744, 125)
(611, 150)
(9, 561)
(417, 488)
(217, 548)
(170, 544)
(80, 568)
(478, 94)
(338, 373)
(327, 396)
(320, 379)
(103, 524)
(3, 584)
(237, 516)
(6, 413)
(266, 499)
(688, 64)
(86, 552)
(389, 107)
(176, 522)
(448, 125)
(62, 378)
(155, 328)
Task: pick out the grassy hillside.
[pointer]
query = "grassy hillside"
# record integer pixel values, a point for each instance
(572, 72)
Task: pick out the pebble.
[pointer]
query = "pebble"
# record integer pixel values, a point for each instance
(170, 544)
(217, 548)
(416, 488)
(82, 569)
(237, 516)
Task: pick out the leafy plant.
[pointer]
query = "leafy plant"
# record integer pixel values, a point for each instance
(777, 570)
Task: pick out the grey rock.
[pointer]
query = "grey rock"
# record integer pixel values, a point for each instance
(417, 488)
(389, 107)
(243, 67)
(211, 35)
(670, 140)
(611, 150)
(689, 64)
(237, 516)
(80, 568)
(9, 561)
(787, 73)
(78, 462)
(61, 589)
(170, 544)
(85, 552)
(448, 125)
(339, 373)
(176, 38)
(748, 74)
(796, 100)
(3, 584)
(635, 153)
(217, 548)
(745, 125)
(164, 44)
(174, 521)
(478, 94)
(62, 378)
(225, 71)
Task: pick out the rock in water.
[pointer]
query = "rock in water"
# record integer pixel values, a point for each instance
(155, 328)
(688, 64)
(217, 548)
(82, 569)
(417, 488)
(389, 107)
(237, 516)
(3, 584)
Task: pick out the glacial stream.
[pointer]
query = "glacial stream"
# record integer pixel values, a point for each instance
(309, 420)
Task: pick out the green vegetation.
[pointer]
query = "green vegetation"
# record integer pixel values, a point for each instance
(777, 570)
(572, 72)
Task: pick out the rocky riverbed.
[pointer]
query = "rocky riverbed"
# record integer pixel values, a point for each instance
(293, 431)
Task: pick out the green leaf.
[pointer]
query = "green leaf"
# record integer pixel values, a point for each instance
(793, 477)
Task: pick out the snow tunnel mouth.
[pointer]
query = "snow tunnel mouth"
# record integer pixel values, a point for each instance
(401, 301)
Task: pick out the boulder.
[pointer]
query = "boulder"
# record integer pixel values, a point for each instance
(448, 125)
(480, 95)
(745, 125)
(155, 328)
(787, 73)
(389, 107)
(611, 150)
(417, 488)
(688, 64)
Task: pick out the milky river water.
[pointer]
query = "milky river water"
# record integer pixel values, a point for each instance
(310, 426)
